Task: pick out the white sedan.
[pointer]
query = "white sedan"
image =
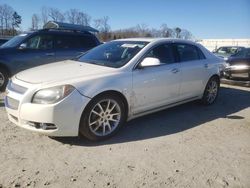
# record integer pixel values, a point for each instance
(111, 84)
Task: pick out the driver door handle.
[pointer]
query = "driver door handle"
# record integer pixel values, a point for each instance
(175, 70)
(50, 54)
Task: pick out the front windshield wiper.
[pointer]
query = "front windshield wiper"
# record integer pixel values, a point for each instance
(93, 62)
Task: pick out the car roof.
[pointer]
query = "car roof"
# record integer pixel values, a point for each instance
(231, 47)
(57, 32)
(157, 40)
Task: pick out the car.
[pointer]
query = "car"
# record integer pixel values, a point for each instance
(226, 51)
(237, 70)
(3, 40)
(111, 84)
(56, 42)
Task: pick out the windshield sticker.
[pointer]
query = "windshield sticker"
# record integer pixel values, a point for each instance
(23, 35)
(129, 45)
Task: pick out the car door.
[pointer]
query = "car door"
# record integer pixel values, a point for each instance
(70, 46)
(36, 50)
(193, 67)
(156, 86)
(66, 47)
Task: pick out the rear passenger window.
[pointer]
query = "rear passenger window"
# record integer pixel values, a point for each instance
(65, 42)
(87, 41)
(189, 52)
(164, 53)
(75, 41)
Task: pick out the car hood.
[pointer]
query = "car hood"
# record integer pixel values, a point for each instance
(222, 55)
(238, 61)
(62, 71)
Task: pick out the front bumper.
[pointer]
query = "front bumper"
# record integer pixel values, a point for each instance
(64, 116)
(235, 82)
(236, 75)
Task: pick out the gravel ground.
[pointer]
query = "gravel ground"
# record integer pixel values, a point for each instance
(186, 146)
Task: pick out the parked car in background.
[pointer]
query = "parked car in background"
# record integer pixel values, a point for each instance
(56, 42)
(227, 51)
(238, 68)
(110, 84)
(3, 40)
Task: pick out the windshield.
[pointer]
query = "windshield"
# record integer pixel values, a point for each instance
(14, 41)
(227, 50)
(242, 53)
(113, 54)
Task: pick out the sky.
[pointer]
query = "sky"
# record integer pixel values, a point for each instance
(203, 18)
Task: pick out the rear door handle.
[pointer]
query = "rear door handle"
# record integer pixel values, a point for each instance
(50, 54)
(175, 70)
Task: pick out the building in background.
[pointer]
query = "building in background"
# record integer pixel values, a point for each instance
(212, 44)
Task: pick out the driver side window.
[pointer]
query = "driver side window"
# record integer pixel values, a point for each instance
(163, 52)
(41, 42)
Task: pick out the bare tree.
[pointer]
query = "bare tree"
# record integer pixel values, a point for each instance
(166, 31)
(83, 19)
(72, 15)
(56, 15)
(103, 27)
(75, 16)
(1, 18)
(35, 22)
(142, 29)
(185, 34)
(44, 15)
(6, 18)
(102, 24)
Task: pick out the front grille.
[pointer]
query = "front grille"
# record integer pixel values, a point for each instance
(240, 75)
(11, 103)
(16, 88)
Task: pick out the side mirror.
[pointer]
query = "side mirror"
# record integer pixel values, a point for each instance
(23, 46)
(150, 62)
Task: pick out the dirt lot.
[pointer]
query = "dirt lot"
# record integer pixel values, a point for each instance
(186, 146)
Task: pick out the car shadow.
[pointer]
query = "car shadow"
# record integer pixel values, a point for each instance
(176, 119)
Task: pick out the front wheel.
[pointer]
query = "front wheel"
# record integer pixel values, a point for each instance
(211, 91)
(102, 118)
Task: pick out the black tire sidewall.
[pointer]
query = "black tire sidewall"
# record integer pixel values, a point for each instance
(84, 123)
(204, 98)
(6, 78)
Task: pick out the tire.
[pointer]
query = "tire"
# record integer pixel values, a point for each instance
(3, 79)
(102, 118)
(211, 91)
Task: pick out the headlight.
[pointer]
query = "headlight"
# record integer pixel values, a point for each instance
(52, 95)
(227, 65)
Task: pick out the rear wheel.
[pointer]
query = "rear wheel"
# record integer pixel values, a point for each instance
(102, 118)
(211, 91)
(3, 79)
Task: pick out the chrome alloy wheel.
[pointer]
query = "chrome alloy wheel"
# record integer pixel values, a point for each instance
(212, 91)
(2, 79)
(104, 117)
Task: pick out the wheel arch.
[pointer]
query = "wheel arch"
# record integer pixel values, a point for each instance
(116, 93)
(215, 76)
(3, 66)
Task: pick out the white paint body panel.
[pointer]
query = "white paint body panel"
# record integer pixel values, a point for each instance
(146, 90)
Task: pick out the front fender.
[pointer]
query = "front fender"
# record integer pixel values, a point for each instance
(119, 82)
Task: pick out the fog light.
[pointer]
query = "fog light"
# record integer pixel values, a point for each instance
(44, 126)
